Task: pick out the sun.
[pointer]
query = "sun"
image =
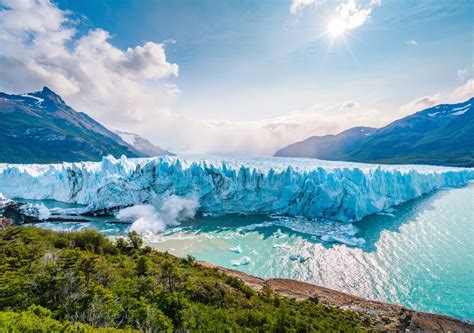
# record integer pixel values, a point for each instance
(337, 27)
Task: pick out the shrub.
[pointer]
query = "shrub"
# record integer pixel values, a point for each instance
(81, 282)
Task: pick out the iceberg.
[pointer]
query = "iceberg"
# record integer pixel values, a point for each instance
(338, 191)
(242, 261)
(236, 249)
(38, 211)
(4, 201)
(299, 257)
(278, 234)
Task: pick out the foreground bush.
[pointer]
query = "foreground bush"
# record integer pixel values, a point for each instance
(38, 319)
(71, 282)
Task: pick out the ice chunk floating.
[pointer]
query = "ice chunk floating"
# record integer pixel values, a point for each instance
(339, 191)
(241, 262)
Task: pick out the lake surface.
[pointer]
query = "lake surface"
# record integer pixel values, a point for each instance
(420, 255)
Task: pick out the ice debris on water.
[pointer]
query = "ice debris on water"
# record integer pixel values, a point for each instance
(279, 233)
(236, 249)
(350, 241)
(299, 257)
(282, 246)
(241, 261)
(4, 201)
(327, 231)
(36, 210)
(390, 212)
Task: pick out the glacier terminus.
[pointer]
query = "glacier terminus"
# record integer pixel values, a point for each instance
(339, 191)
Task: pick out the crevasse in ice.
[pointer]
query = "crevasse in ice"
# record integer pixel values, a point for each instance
(339, 191)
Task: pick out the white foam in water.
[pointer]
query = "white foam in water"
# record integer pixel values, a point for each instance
(327, 231)
(67, 211)
(62, 226)
(152, 219)
(338, 191)
(388, 212)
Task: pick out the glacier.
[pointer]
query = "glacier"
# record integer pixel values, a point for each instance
(339, 191)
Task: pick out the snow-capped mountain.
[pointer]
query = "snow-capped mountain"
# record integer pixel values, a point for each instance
(442, 135)
(39, 127)
(142, 145)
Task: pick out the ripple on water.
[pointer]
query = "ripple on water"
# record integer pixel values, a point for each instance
(420, 254)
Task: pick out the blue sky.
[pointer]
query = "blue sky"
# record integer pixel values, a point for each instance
(257, 64)
(258, 51)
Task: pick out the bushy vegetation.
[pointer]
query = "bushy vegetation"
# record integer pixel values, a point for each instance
(72, 282)
(38, 319)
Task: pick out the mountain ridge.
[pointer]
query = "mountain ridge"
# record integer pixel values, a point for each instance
(142, 145)
(323, 147)
(39, 127)
(441, 135)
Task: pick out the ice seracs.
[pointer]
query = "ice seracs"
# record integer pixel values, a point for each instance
(338, 191)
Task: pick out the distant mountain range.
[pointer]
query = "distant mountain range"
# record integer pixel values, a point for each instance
(39, 127)
(442, 135)
(142, 145)
(326, 147)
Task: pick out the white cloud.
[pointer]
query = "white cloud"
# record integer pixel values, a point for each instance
(127, 89)
(462, 92)
(354, 15)
(267, 136)
(350, 13)
(412, 42)
(457, 95)
(298, 5)
(465, 72)
(349, 105)
(419, 104)
(39, 46)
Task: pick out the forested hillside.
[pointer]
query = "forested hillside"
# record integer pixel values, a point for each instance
(78, 282)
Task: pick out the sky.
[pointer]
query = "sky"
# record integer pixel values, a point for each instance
(240, 77)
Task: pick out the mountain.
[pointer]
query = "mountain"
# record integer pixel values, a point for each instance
(142, 145)
(39, 127)
(442, 135)
(326, 147)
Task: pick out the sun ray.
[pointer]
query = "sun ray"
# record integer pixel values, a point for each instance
(351, 52)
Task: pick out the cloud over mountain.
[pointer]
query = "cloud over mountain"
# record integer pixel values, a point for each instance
(40, 46)
(133, 89)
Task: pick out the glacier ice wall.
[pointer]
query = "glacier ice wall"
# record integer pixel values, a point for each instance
(339, 191)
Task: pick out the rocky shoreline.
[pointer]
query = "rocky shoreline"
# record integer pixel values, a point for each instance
(385, 317)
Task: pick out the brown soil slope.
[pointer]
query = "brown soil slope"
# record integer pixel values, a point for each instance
(384, 316)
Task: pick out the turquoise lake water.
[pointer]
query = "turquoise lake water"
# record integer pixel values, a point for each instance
(420, 255)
